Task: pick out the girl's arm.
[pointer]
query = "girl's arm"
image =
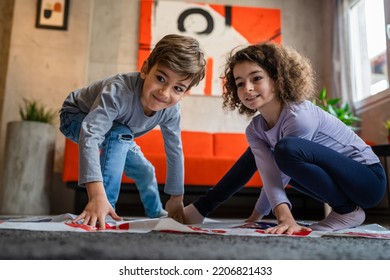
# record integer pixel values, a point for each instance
(286, 221)
(273, 186)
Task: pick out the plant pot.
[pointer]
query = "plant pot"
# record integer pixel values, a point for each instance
(28, 168)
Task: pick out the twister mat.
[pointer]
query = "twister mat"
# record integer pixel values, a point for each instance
(168, 225)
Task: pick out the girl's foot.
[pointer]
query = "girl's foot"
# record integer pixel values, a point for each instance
(192, 215)
(335, 221)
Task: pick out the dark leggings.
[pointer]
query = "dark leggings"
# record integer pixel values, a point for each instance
(314, 169)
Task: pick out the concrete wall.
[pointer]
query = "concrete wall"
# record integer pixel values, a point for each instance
(102, 39)
(45, 65)
(6, 14)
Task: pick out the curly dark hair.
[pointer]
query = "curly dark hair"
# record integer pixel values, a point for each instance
(291, 72)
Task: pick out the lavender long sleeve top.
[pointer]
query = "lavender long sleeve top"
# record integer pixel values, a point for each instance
(307, 121)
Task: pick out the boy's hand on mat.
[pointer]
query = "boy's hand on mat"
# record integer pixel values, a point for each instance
(175, 208)
(95, 213)
(97, 208)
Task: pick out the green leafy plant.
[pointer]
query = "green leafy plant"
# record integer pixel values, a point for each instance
(342, 112)
(32, 110)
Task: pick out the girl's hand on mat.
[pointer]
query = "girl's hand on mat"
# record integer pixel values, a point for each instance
(286, 221)
(287, 228)
(254, 217)
(175, 208)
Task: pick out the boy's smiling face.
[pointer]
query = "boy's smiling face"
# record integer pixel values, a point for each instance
(163, 88)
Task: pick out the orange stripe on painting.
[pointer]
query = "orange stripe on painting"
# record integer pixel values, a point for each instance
(209, 77)
(219, 9)
(145, 31)
(257, 24)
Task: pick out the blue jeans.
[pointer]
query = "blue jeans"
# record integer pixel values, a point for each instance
(315, 170)
(119, 153)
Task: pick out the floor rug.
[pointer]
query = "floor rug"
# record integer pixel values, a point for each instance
(140, 225)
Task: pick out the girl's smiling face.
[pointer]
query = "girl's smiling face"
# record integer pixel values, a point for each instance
(255, 88)
(162, 88)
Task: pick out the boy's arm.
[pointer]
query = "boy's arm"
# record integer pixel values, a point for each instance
(97, 208)
(174, 185)
(99, 120)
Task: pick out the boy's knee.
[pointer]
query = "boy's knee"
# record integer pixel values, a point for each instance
(125, 138)
(143, 167)
(120, 132)
(149, 171)
(134, 148)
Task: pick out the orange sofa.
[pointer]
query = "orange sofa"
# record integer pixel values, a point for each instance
(207, 157)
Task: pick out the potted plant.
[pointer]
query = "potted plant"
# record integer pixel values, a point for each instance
(32, 110)
(342, 112)
(29, 161)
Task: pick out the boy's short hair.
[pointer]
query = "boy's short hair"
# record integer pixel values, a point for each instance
(181, 54)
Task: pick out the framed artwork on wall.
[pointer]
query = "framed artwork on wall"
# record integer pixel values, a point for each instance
(52, 14)
(218, 28)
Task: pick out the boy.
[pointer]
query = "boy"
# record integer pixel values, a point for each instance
(110, 113)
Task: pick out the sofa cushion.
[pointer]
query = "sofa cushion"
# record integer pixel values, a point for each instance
(208, 172)
(151, 142)
(194, 143)
(71, 162)
(197, 143)
(231, 145)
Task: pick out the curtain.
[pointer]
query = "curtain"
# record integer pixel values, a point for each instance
(342, 86)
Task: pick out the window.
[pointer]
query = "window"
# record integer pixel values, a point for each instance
(369, 55)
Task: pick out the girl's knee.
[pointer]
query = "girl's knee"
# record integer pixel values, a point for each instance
(286, 146)
(286, 151)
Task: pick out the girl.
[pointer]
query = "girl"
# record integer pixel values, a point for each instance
(293, 142)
